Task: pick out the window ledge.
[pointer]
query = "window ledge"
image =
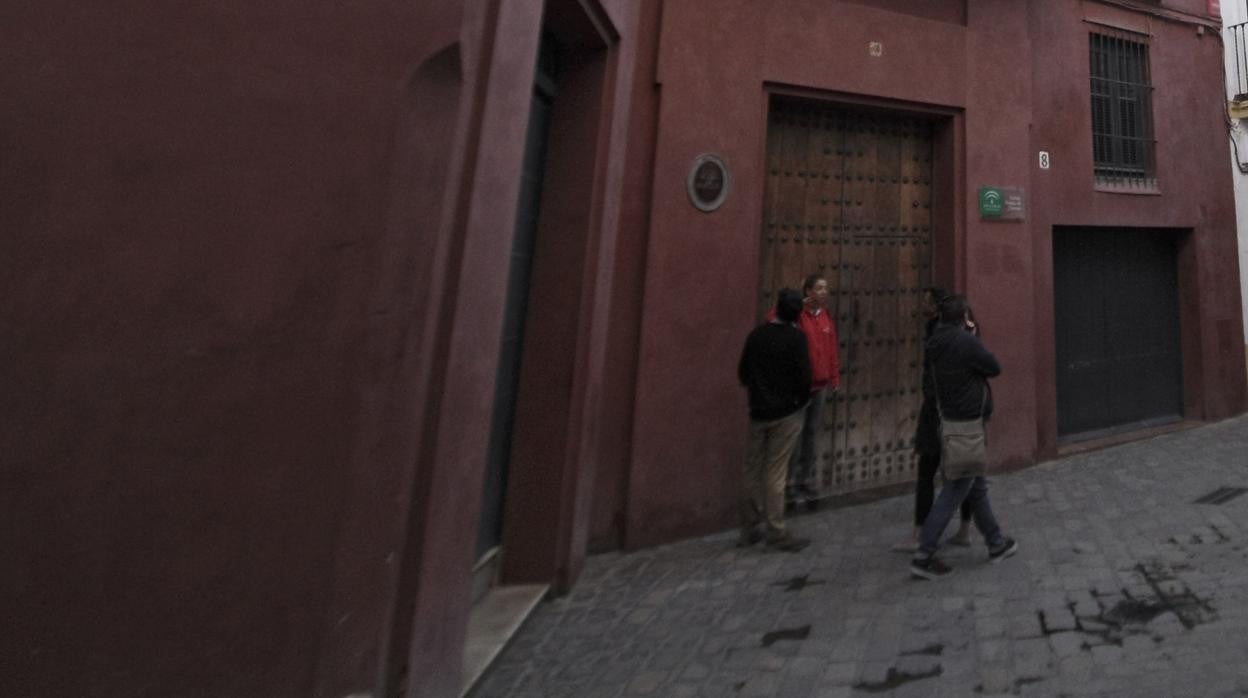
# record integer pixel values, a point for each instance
(1148, 188)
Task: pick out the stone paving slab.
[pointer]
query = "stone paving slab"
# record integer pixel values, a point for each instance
(1123, 586)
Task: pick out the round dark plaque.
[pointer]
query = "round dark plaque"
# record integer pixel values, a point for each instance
(708, 182)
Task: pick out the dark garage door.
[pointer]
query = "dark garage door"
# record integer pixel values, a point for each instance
(1116, 311)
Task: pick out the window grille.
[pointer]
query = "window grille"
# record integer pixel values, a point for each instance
(1122, 116)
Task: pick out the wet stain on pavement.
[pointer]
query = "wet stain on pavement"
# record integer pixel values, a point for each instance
(1133, 612)
(1222, 495)
(1174, 596)
(1213, 535)
(898, 678)
(798, 633)
(931, 650)
(799, 583)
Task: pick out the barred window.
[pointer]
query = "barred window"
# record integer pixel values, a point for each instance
(1122, 115)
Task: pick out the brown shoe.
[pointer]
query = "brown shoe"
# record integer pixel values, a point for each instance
(787, 543)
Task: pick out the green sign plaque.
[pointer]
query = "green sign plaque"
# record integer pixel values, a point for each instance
(1001, 203)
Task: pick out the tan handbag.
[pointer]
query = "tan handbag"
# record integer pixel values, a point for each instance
(963, 444)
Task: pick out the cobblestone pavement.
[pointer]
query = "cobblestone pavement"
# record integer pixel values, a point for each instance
(1125, 585)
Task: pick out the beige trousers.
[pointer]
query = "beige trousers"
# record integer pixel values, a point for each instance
(766, 468)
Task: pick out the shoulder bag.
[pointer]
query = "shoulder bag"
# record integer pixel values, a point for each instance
(963, 443)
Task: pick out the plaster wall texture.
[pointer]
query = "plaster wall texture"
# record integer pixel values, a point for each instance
(1236, 72)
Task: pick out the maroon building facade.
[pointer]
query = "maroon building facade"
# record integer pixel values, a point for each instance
(311, 306)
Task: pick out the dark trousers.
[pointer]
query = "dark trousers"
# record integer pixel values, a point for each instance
(955, 492)
(925, 490)
(802, 464)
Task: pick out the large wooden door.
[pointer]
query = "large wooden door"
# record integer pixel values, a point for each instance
(848, 195)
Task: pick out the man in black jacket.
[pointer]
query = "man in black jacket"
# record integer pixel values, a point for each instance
(959, 372)
(775, 369)
(927, 443)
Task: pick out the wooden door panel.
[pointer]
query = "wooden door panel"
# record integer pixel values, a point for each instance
(772, 207)
(848, 194)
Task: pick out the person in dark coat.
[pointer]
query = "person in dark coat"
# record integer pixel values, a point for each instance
(960, 369)
(775, 370)
(927, 442)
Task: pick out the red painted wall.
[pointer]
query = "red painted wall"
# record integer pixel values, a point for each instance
(244, 369)
(253, 310)
(999, 268)
(626, 303)
(193, 199)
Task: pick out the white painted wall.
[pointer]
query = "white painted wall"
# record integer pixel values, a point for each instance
(1236, 12)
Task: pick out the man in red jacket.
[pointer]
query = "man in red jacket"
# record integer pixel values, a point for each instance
(816, 323)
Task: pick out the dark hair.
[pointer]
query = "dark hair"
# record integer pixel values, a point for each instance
(788, 305)
(953, 309)
(810, 281)
(937, 293)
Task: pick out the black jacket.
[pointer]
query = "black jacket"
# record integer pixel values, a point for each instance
(775, 369)
(962, 367)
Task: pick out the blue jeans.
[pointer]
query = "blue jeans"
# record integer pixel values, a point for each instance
(974, 490)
